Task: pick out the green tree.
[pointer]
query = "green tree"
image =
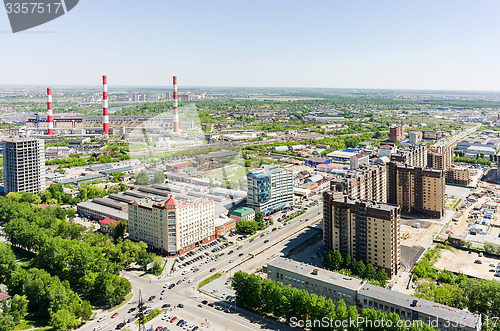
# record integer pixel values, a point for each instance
(142, 178)
(63, 320)
(259, 218)
(159, 177)
(6, 322)
(7, 263)
(17, 307)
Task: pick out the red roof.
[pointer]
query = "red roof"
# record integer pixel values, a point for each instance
(4, 295)
(107, 221)
(171, 202)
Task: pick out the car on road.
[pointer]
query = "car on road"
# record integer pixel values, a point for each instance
(97, 328)
(211, 304)
(151, 298)
(180, 305)
(120, 326)
(162, 292)
(114, 315)
(173, 319)
(179, 322)
(251, 240)
(159, 328)
(230, 252)
(262, 235)
(190, 280)
(212, 269)
(131, 310)
(274, 229)
(204, 302)
(166, 305)
(231, 261)
(497, 274)
(478, 261)
(148, 311)
(241, 254)
(163, 297)
(266, 241)
(101, 318)
(179, 281)
(171, 286)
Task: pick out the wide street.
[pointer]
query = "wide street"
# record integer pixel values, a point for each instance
(208, 318)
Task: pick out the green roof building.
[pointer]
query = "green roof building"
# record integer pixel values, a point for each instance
(243, 213)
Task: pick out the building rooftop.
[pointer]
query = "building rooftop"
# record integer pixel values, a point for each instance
(424, 306)
(116, 214)
(242, 212)
(322, 274)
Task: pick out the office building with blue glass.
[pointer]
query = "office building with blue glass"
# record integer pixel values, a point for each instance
(270, 188)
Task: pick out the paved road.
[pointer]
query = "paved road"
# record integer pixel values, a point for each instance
(187, 294)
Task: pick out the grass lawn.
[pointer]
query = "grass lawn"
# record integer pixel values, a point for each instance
(127, 299)
(33, 322)
(209, 279)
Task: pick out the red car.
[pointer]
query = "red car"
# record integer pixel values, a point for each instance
(211, 304)
(114, 315)
(173, 319)
(159, 328)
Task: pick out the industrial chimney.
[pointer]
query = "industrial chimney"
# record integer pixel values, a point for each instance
(105, 119)
(176, 109)
(50, 120)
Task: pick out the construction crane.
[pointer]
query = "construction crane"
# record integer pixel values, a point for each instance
(38, 122)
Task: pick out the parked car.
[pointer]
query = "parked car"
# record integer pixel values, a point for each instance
(114, 315)
(212, 270)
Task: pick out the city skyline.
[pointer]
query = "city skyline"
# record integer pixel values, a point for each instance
(388, 45)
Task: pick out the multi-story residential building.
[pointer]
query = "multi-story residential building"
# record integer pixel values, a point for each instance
(439, 157)
(359, 293)
(417, 190)
(459, 176)
(366, 183)
(397, 133)
(358, 160)
(386, 150)
(269, 188)
(415, 156)
(368, 231)
(415, 137)
(432, 134)
(24, 165)
(174, 227)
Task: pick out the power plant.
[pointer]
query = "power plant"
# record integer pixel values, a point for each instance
(75, 124)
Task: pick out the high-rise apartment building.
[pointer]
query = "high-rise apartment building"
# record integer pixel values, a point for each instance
(396, 133)
(368, 231)
(439, 157)
(24, 165)
(174, 227)
(415, 137)
(414, 156)
(270, 188)
(366, 183)
(418, 190)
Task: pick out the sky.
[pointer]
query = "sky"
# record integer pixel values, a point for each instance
(445, 45)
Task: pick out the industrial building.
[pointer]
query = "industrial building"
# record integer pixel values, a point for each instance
(270, 188)
(359, 293)
(367, 231)
(172, 226)
(24, 165)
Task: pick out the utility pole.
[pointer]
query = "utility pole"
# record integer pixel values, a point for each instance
(140, 308)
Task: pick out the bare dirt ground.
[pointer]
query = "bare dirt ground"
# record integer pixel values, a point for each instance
(461, 261)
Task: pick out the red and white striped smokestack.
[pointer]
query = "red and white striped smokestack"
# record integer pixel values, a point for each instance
(176, 109)
(105, 119)
(50, 119)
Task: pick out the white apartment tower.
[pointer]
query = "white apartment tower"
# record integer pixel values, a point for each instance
(24, 165)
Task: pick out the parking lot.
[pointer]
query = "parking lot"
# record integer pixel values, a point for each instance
(457, 260)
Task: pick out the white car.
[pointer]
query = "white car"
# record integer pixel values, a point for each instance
(190, 280)
(101, 318)
(164, 317)
(98, 328)
(163, 297)
(166, 285)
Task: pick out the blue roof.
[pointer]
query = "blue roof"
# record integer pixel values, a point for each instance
(350, 150)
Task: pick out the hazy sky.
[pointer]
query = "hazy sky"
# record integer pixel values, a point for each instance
(275, 43)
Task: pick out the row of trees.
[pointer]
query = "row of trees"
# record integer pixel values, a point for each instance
(142, 178)
(479, 160)
(269, 297)
(76, 160)
(333, 260)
